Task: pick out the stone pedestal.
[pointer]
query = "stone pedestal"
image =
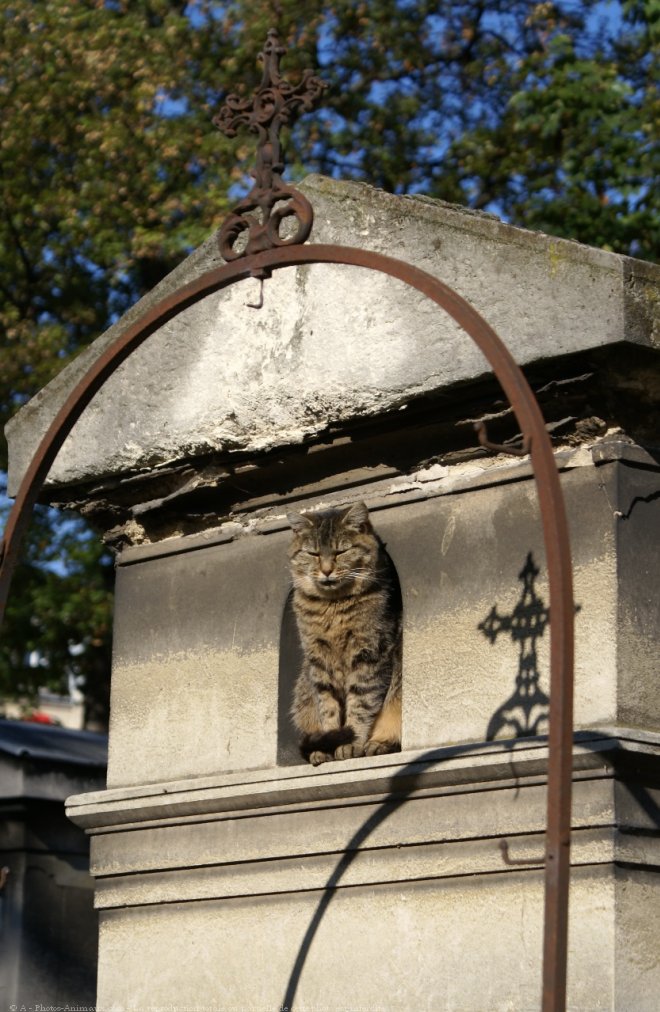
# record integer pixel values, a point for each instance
(242, 878)
(411, 881)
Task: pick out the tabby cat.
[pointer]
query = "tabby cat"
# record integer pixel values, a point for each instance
(347, 603)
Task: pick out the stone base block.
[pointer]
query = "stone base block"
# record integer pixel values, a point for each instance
(388, 884)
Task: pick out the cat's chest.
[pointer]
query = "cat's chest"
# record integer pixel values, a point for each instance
(339, 629)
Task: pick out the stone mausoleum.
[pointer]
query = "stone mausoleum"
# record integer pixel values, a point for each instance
(230, 875)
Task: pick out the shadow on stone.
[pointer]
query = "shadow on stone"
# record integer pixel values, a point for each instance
(291, 658)
(403, 784)
(525, 712)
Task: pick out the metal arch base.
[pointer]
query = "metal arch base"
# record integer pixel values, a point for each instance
(553, 518)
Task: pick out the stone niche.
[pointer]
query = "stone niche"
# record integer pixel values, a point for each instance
(412, 880)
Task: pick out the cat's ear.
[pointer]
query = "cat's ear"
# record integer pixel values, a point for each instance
(357, 517)
(299, 522)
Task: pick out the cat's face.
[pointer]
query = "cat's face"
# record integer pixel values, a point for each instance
(334, 553)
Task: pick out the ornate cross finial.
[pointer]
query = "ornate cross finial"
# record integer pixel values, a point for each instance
(271, 106)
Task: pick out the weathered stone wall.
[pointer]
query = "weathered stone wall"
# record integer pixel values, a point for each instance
(202, 681)
(332, 343)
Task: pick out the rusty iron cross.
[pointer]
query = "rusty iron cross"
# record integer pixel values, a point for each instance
(271, 106)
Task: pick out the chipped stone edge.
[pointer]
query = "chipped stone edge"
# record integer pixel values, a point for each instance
(427, 483)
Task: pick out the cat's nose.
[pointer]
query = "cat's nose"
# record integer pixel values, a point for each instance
(326, 566)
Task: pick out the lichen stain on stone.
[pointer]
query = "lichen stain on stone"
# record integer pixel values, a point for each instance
(556, 258)
(302, 277)
(642, 304)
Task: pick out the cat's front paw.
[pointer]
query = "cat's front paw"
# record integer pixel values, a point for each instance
(351, 751)
(316, 758)
(381, 747)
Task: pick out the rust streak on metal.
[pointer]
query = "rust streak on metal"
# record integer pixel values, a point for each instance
(553, 517)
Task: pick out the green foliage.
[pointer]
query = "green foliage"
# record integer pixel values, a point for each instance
(579, 142)
(58, 619)
(99, 191)
(110, 171)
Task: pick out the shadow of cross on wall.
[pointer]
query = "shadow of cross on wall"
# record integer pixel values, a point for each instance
(524, 713)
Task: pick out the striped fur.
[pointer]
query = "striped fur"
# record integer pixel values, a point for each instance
(347, 602)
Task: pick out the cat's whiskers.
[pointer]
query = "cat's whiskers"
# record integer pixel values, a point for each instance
(366, 576)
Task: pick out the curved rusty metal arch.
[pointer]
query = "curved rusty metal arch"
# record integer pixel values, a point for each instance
(553, 518)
